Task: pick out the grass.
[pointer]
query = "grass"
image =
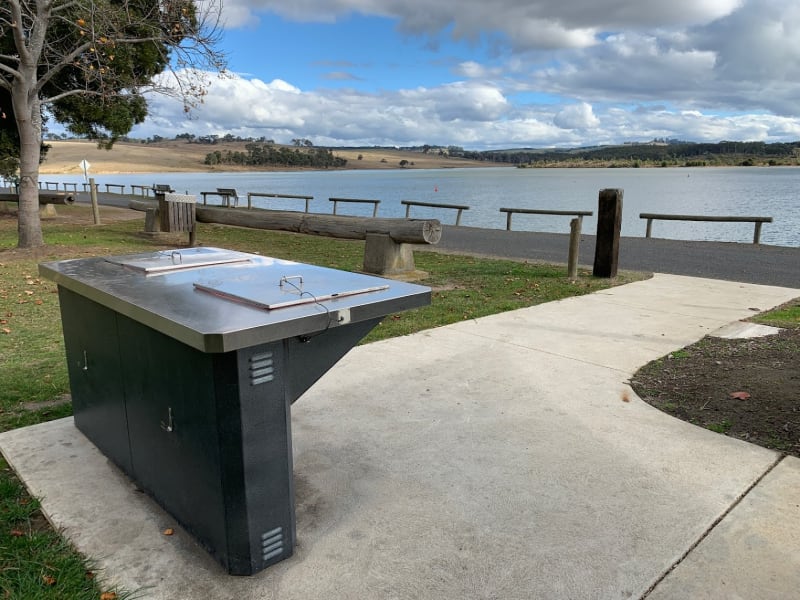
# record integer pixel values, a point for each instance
(787, 316)
(722, 427)
(36, 562)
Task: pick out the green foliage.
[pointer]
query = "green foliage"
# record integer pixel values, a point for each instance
(662, 153)
(102, 121)
(108, 72)
(98, 55)
(268, 154)
(9, 138)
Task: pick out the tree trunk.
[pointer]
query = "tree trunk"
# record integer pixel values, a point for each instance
(27, 110)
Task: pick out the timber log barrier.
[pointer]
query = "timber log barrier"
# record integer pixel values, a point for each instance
(386, 252)
(44, 198)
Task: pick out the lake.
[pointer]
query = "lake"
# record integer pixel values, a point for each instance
(755, 191)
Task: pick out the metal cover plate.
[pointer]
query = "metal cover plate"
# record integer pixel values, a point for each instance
(286, 292)
(174, 260)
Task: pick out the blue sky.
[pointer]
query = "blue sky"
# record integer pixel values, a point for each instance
(500, 73)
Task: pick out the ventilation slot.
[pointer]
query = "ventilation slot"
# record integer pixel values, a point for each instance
(261, 369)
(272, 543)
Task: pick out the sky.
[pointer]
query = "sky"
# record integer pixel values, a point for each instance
(495, 74)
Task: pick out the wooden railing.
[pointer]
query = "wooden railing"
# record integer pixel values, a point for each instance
(374, 203)
(758, 221)
(536, 211)
(144, 190)
(458, 207)
(251, 195)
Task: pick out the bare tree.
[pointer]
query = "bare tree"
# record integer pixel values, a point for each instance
(89, 62)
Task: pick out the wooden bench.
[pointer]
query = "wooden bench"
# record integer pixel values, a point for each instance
(227, 195)
(162, 188)
(48, 185)
(758, 221)
(374, 203)
(74, 186)
(536, 211)
(458, 207)
(119, 186)
(251, 195)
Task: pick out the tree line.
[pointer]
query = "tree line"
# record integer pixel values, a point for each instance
(669, 153)
(267, 154)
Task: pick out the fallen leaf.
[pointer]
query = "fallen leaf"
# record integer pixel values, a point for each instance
(625, 396)
(5, 330)
(108, 596)
(49, 580)
(17, 533)
(739, 395)
(169, 531)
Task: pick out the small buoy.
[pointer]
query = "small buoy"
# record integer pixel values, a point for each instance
(436, 188)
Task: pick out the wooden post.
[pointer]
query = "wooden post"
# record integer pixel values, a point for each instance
(574, 245)
(93, 196)
(757, 233)
(609, 224)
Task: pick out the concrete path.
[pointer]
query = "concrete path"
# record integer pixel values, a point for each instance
(504, 457)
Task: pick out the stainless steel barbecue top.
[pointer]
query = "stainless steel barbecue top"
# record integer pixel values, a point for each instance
(218, 300)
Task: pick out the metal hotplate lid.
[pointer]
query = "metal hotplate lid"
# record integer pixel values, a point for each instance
(174, 260)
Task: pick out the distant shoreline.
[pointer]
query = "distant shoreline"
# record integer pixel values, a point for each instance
(125, 158)
(179, 156)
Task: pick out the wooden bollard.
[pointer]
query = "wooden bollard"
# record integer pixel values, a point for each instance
(609, 224)
(574, 247)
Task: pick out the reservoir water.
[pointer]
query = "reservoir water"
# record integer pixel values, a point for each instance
(744, 191)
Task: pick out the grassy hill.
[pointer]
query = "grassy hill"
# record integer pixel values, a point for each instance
(64, 157)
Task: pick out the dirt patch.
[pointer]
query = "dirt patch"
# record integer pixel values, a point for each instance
(744, 388)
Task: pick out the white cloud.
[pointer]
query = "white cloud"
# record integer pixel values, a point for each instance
(469, 114)
(589, 71)
(576, 116)
(527, 23)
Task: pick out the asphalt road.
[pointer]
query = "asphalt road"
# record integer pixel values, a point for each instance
(749, 263)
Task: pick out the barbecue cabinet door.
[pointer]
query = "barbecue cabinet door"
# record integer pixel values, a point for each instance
(95, 375)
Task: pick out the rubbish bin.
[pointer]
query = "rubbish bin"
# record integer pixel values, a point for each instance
(183, 365)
